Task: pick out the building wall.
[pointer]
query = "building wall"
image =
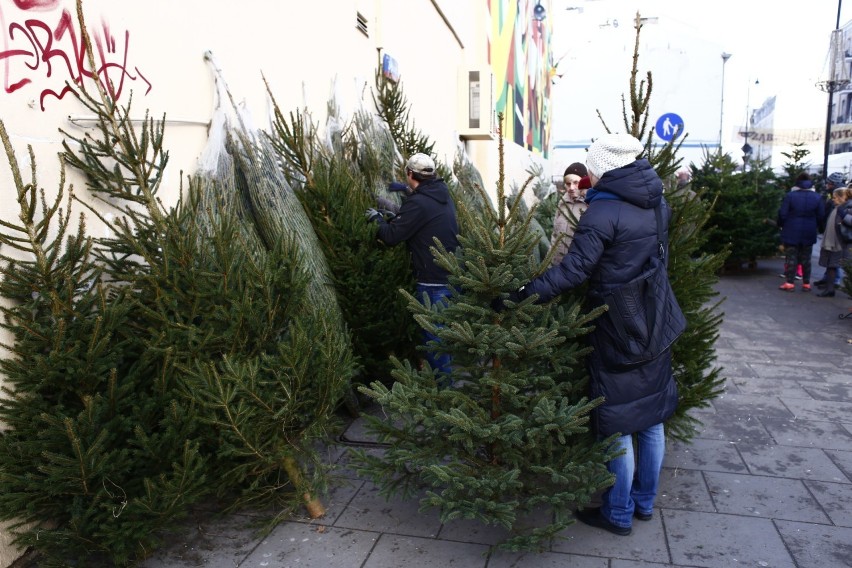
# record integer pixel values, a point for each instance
(163, 53)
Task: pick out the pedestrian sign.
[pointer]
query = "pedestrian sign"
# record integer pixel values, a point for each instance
(669, 126)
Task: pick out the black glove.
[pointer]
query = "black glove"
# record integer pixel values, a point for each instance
(397, 186)
(498, 304)
(373, 215)
(520, 294)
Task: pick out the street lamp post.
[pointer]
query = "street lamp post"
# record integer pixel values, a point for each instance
(725, 57)
(747, 149)
(837, 79)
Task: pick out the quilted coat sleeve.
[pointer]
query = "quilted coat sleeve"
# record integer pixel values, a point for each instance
(784, 210)
(594, 233)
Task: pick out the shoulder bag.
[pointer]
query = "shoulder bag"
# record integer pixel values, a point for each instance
(643, 318)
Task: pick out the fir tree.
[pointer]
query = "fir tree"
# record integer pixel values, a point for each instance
(846, 283)
(743, 222)
(546, 211)
(796, 164)
(234, 317)
(693, 274)
(512, 437)
(97, 458)
(393, 108)
(468, 187)
(224, 331)
(335, 188)
(539, 187)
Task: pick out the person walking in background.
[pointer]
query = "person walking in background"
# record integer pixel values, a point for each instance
(427, 213)
(613, 241)
(800, 218)
(569, 206)
(683, 179)
(832, 182)
(834, 251)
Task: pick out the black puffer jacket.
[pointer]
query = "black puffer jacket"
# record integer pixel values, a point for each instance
(614, 239)
(427, 213)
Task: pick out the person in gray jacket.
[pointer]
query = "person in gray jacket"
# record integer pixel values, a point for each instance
(614, 239)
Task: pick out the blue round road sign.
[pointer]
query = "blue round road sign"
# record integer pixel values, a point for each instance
(669, 126)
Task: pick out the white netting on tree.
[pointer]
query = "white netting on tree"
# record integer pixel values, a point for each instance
(240, 170)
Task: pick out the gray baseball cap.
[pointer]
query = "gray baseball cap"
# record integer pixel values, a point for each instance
(421, 164)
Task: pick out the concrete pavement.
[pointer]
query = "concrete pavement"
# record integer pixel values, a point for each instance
(767, 482)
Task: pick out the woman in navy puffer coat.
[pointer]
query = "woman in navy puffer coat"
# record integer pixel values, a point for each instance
(614, 239)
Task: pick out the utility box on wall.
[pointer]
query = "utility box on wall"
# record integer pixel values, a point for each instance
(477, 116)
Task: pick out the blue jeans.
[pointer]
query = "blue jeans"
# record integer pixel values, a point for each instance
(440, 363)
(636, 481)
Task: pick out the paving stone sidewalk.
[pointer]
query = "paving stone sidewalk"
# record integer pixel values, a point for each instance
(766, 483)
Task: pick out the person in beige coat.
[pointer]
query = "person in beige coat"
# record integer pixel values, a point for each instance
(834, 252)
(570, 205)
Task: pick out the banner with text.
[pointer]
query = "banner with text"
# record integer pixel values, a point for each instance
(771, 136)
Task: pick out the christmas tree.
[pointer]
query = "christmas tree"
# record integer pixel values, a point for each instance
(336, 184)
(126, 349)
(96, 458)
(743, 222)
(236, 314)
(512, 437)
(539, 186)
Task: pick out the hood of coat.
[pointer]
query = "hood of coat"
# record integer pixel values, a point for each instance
(637, 183)
(434, 189)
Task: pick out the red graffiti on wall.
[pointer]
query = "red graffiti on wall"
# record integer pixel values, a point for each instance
(36, 48)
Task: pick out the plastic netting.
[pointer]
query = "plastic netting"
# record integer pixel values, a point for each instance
(238, 170)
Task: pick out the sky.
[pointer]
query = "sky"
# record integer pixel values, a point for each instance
(776, 49)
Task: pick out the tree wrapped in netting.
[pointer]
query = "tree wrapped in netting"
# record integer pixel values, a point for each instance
(546, 212)
(335, 184)
(271, 389)
(394, 110)
(468, 187)
(184, 318)
(539, 186)
(511, 438)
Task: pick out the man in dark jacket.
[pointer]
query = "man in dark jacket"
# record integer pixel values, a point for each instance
(614, 239)
(801, 217)
(426, 213)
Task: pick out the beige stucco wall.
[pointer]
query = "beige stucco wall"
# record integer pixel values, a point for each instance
(306, 51)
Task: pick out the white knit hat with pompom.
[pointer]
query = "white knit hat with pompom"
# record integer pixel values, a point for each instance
(612, 151)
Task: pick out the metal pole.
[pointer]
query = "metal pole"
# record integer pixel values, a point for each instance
(725, 57)
(828, 111)
(827, 134)
(746, 148)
